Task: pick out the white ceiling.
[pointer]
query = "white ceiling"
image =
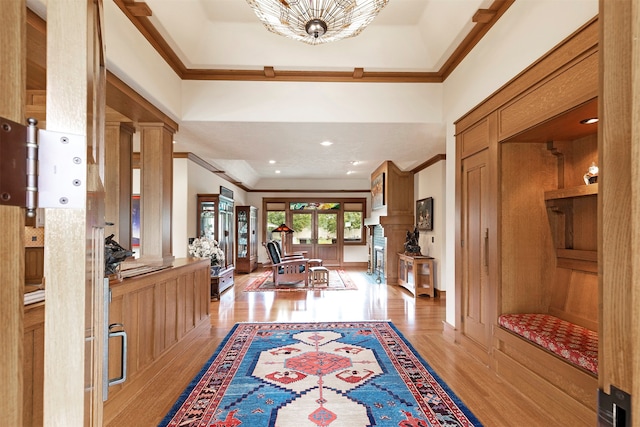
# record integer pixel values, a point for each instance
(407, 36)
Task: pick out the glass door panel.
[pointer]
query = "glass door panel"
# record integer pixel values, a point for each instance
(303, 235)
(243, 234)
(327, 228)
(327, 237)
(208, 220)
(315, 234)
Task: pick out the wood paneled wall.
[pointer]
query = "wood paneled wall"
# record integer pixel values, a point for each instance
(157, 311)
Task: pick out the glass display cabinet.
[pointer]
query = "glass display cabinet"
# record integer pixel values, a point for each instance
(246, 239)
(216, 221)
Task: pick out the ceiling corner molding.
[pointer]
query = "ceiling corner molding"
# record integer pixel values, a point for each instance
(146, 28)
(208, 166)
(139, 12)
(139, 9)
(483, 16)
(270, 74)
(484, 19)
(273, 190)
(432, 161)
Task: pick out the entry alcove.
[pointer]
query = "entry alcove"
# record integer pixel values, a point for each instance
(548, 213)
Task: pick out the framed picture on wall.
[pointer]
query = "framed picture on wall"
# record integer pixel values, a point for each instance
(377, 191)
(424, 214)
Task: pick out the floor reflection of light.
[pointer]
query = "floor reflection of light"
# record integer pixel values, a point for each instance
(371, 301)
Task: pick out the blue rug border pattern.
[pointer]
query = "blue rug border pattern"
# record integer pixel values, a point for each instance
(194, 382)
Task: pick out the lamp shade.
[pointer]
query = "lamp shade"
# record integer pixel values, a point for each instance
(282, 228)
(317, 21)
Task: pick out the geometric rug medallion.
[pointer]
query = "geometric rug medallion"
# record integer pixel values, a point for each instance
(339, 280)
(337, 374)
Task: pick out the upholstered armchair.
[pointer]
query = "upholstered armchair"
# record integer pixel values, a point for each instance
(289, 270)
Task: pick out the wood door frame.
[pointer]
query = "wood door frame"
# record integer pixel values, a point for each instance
(12, 106)
(74, 335)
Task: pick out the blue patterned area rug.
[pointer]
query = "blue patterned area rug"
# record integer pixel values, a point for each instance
(345, 374)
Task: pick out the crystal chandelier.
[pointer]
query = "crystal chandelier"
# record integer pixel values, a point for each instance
(317, 21)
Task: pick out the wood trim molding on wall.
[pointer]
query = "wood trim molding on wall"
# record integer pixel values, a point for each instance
(222, 174)
(432, 161)
(139, 13)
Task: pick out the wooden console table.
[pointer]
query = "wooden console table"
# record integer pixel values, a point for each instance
(221, 282)
(415, 273)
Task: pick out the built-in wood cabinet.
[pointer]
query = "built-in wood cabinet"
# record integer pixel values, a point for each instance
(216, 221)
(157, 311)
(33, 265)
(526, 234)
(415, 274)
(478, 284)
(33, 365)
(246, 239)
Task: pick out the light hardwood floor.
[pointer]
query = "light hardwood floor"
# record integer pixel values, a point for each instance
(420, 320)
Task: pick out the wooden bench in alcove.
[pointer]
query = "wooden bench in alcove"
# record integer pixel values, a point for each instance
(561, 377)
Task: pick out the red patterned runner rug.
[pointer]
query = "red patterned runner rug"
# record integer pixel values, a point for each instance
(339, 280)
(336, 374)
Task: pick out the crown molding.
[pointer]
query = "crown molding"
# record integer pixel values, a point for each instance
(139, 12)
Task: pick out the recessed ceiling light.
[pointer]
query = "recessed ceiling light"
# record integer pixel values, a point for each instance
(272, 161)
(350, 172)
(355, 162)
(326, 143)
(277, 171)
(589, 121)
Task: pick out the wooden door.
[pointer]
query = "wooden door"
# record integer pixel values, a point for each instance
(476, 294)
(74, 238)
(316, 233)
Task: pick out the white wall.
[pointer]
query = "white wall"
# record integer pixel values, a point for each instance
(189, 180)
(430, 182)
(132, 59)
(528, 30)
(333, 102)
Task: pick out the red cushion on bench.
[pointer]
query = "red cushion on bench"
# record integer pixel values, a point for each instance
(572, 342)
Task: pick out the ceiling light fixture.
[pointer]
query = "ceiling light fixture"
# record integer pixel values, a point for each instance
(317, 21)
(326, 143)
(589, 121)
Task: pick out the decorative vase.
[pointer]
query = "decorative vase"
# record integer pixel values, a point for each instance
(215, 270)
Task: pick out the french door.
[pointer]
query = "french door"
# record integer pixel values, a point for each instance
(316, 233)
